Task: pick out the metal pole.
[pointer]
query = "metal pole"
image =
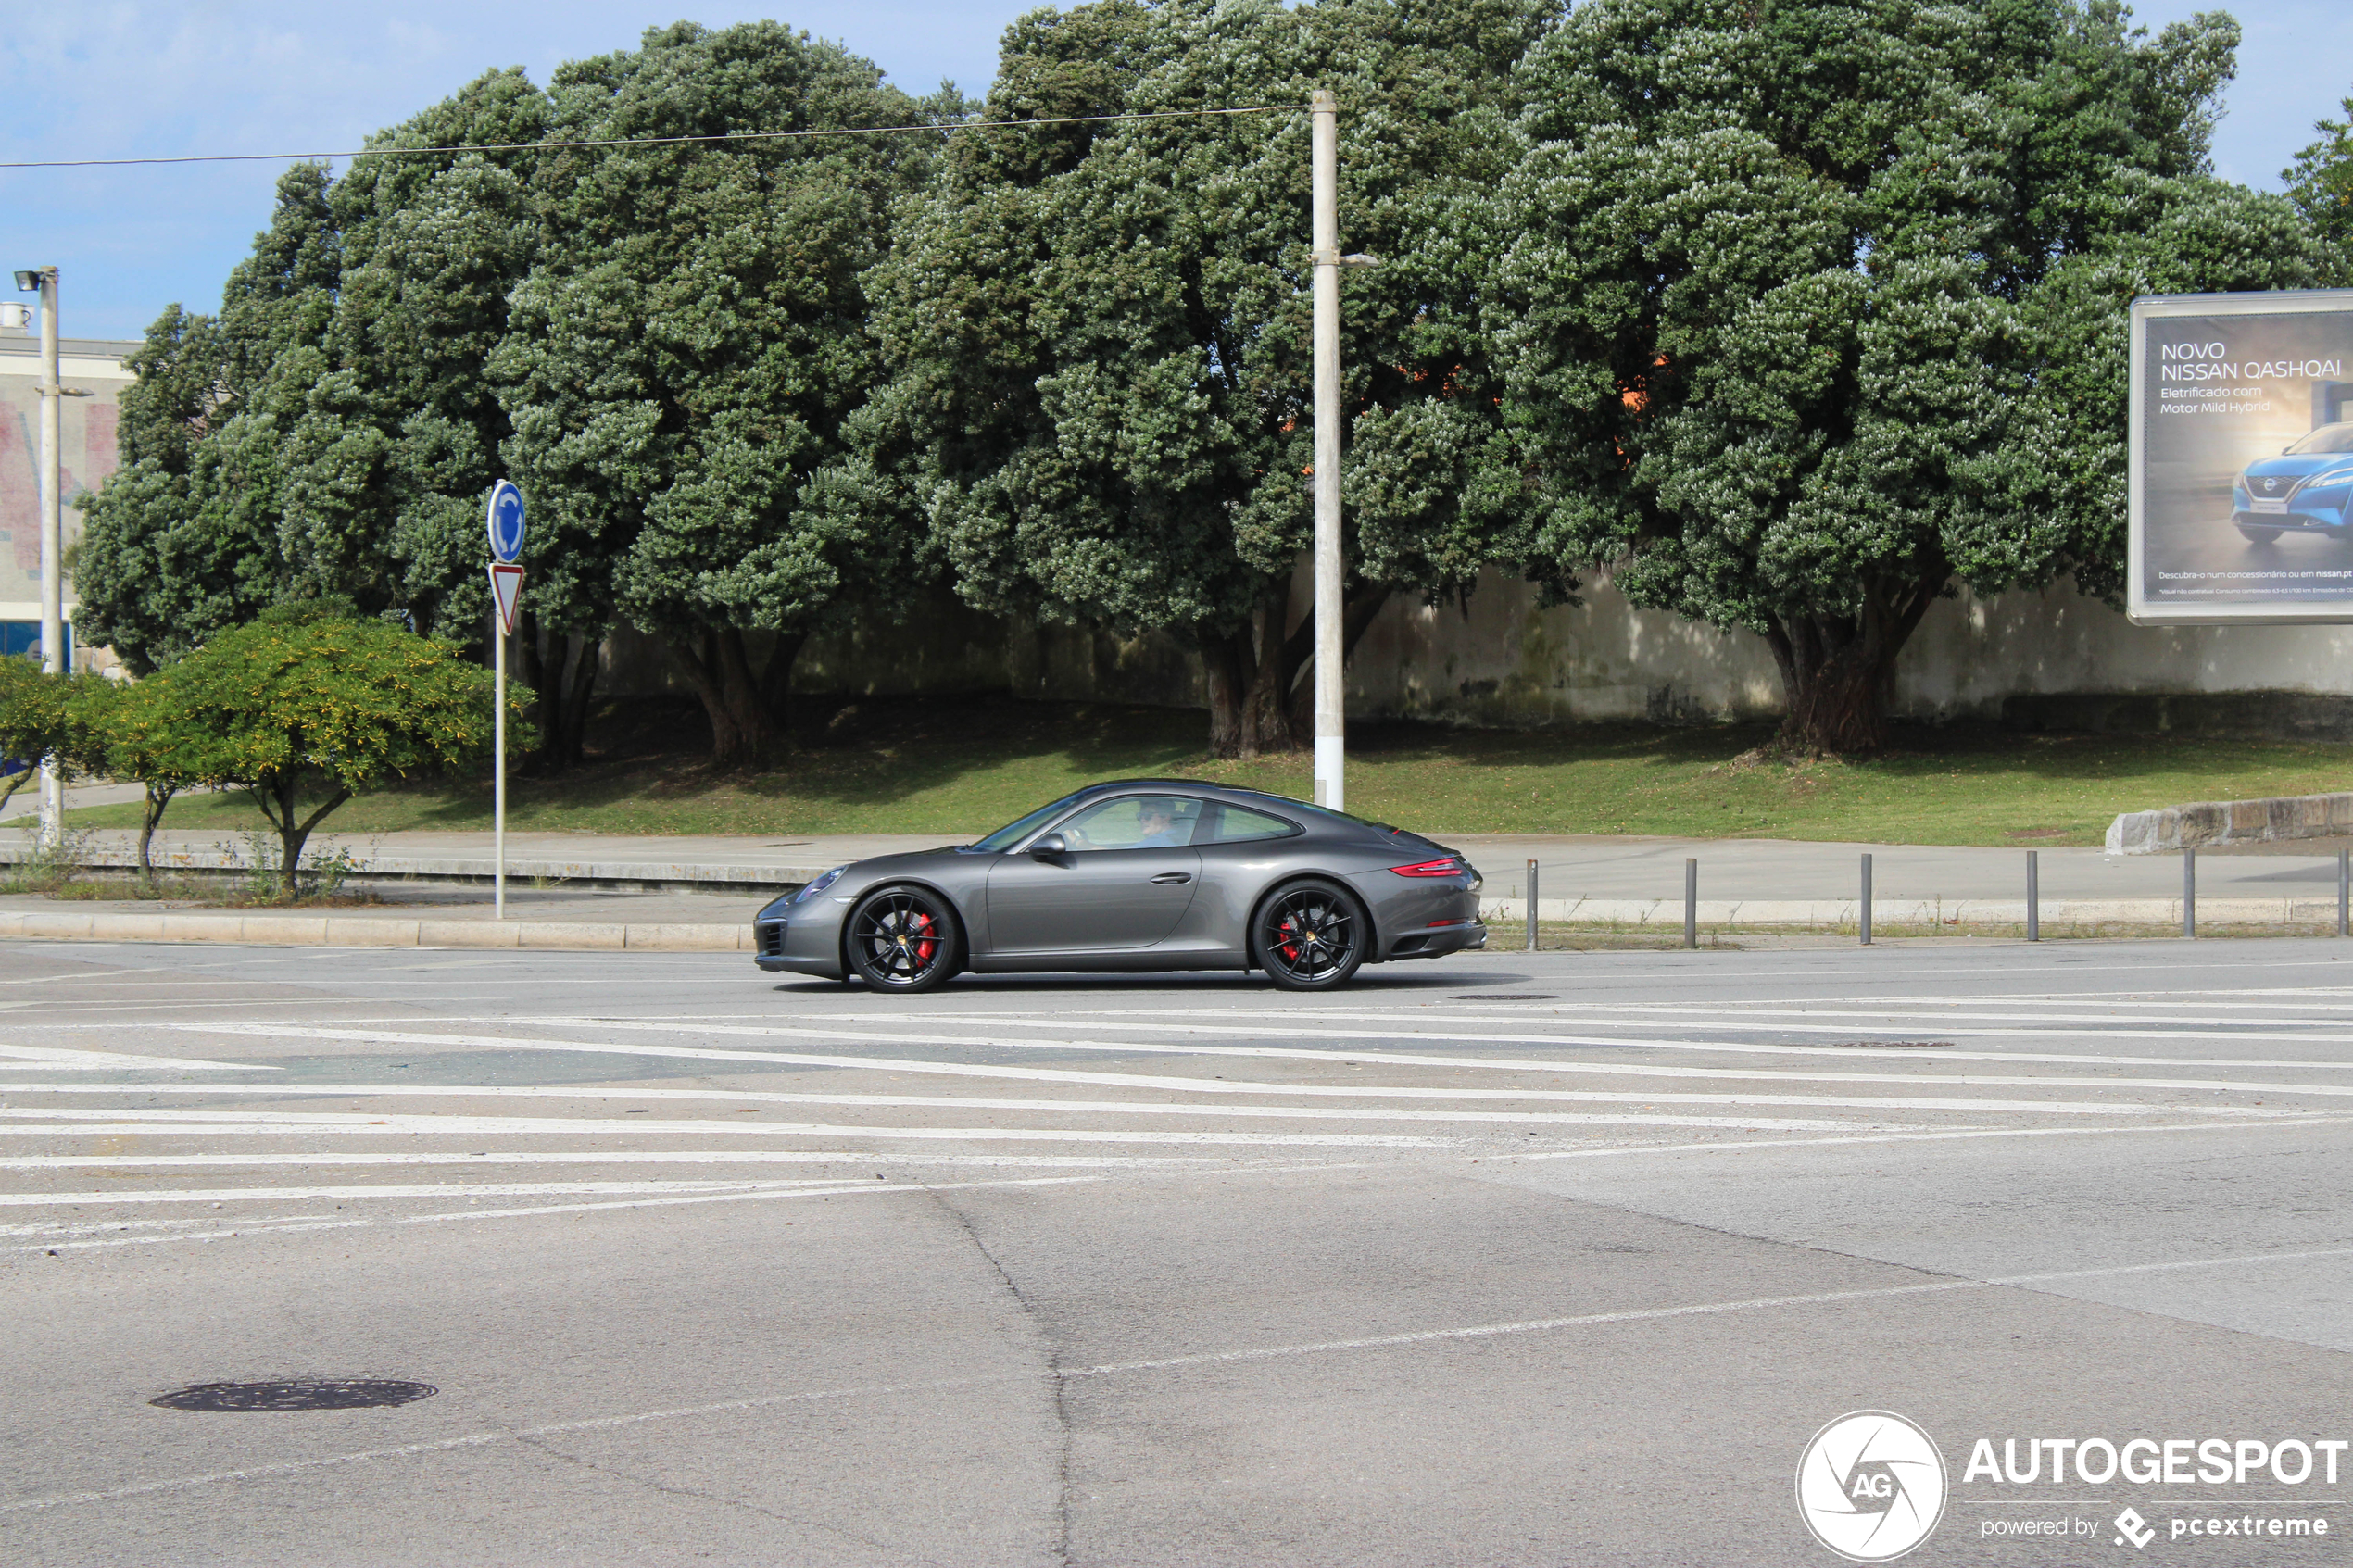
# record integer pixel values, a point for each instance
(1866, 900)
(1331, 692)
(2033, 896)
(1691, 903)
(2344, 892)
(53, 637)
(498, 770)
(1531, 905)
(2189, 891)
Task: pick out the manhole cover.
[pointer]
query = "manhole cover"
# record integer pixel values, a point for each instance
(296, 1394)
(1505, 997)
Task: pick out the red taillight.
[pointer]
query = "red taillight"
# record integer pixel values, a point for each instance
(1431, 868)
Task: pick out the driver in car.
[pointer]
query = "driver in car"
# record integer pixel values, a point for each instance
(1155, 825)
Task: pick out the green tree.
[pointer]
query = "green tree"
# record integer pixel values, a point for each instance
(131, 729)
(187, 536)
(1816, 308)
(1102, 402)
(303, 709)
(2321, 184)
(36, 720)
(686, 353)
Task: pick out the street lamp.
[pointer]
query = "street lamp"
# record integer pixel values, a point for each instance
(43, 280)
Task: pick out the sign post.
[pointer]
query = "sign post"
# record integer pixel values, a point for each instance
(505, 524)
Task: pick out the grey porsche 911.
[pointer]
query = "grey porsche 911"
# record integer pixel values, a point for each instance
(1137, 874)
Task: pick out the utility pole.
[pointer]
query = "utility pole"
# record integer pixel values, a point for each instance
(53, 636)
(1331, 691)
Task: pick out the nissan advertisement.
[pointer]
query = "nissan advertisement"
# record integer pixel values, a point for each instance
(2242, 457)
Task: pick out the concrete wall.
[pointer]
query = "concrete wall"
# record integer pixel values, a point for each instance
(1498, 660)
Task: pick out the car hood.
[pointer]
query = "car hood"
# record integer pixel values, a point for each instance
(2296, 465)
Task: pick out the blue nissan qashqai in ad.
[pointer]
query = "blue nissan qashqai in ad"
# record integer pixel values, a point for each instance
(2308, 486)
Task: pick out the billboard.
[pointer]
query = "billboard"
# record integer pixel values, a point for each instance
(2242, 459)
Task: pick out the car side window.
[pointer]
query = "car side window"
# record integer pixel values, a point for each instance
(1236, 825)
(1135, 822)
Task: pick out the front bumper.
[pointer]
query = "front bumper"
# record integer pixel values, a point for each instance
(805, 940)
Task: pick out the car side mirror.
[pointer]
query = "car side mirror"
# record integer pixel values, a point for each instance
(1048, 844)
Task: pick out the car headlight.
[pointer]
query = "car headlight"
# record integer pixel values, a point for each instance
(823, 881)
(2336, 480)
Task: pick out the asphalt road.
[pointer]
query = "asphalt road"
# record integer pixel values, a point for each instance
(1510, 1259)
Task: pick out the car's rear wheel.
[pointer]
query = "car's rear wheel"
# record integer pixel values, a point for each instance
(903, 939)
(1310, 936)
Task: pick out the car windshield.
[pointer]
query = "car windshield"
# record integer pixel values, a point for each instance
(1013, 833)
(2328, 438)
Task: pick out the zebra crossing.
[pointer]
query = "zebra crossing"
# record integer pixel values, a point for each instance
(208, 1128)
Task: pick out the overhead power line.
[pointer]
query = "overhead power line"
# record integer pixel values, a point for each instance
(935, 128)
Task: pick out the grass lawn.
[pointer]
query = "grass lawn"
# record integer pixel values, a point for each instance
(964, 767)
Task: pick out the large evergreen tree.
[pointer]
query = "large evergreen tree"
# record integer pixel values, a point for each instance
(1816, 308)
(686, 353)
(1101, 333)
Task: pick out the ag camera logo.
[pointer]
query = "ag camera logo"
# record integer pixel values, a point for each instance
(1871, 1485)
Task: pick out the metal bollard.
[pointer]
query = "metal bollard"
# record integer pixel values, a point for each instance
(2189, 891)
(1691, 903)
(1531, 905)
(2033, 896)
(2344, 892)
(1866, 900)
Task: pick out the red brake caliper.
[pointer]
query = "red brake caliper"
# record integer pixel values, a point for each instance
(924, 945)
(1290, 948)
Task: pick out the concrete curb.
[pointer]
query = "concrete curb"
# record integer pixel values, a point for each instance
(2269, 820)
(346, 930)
(628, 875)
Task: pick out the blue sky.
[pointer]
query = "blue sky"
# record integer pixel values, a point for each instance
(129, 78)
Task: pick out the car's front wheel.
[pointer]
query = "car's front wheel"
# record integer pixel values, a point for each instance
(2257, 534)
(903, 939)
(1310, 936)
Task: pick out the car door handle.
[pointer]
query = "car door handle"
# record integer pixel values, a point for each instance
(1168, 877)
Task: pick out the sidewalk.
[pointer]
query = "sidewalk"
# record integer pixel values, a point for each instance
(698, 894)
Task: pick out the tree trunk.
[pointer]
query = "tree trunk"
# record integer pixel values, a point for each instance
(570, 670)
(775, 681)
(1838, 671)
(742, 731)
(150, 818)
(276, 799)
(1228, 683)
(580, 690)
(1267, 721)
(1358, 609)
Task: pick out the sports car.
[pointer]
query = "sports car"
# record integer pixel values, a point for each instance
(2307, 487)
(1137, 874)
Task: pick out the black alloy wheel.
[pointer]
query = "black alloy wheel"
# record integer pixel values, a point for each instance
(903, 939)
(1309, 936)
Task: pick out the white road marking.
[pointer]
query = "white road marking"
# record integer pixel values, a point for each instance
(611, 1157)
(228, 1123)
(54, 1059)
(1161, 1363)
(1126, 1108)
(736, 1193)
(1940, 1134)
(1125, 1081)
(1387, 1059)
